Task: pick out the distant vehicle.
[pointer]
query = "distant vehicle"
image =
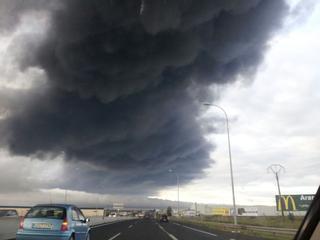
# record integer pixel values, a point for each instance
(8, 213)
(54, 221)
(113, 214)
(164, 218)
(148, 215)
(123, 214)
(140, 215)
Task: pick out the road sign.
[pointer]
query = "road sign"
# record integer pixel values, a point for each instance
(294, 202)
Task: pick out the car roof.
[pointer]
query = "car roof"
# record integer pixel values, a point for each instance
(55, 205)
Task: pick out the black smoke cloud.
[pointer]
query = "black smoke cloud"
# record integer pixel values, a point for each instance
(125, 79)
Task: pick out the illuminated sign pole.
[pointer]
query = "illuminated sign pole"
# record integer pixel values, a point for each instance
(276, 169)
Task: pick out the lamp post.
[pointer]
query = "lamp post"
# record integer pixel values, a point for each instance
(178, 188)
(66, 196)
(230, 159)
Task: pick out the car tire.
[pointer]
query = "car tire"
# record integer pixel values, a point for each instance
(72, 237)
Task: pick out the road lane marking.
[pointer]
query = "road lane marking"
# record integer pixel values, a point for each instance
(196, 230)
(130, 226)
(106, 224)
(169, 234)
(114, 236)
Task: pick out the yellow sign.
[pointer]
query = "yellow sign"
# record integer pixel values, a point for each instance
(221, 211)
(285, 199)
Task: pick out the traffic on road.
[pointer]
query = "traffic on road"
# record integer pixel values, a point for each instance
(67, 222)
(138, 229)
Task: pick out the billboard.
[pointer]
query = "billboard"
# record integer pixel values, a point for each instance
(248, 211)
(221, 211)
(294, 202)
(118, 206)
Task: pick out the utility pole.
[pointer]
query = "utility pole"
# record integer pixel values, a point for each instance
(178, 188)
(178, 183)
(196, 207)
(276, 169)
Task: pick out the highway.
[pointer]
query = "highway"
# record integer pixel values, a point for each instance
(140, 229)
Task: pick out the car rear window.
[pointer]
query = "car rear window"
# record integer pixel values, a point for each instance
(47, 212)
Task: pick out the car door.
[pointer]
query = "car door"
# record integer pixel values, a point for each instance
(77, 225)
(84, 226)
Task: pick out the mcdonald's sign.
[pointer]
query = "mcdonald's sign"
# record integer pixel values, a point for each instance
(294, 202)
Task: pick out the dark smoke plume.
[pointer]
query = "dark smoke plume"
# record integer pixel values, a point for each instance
(125, 78)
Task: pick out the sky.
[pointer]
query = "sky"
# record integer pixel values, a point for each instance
(273, 115)
(274, 120)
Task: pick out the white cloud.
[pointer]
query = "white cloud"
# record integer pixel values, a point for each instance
(273, 120)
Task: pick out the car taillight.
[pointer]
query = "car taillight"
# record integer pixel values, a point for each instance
(64, 225)
(21, 222)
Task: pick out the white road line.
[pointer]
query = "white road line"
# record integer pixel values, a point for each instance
(106, 224)
(169, 234)
(130, 226)
(197, 230)
(114, 236)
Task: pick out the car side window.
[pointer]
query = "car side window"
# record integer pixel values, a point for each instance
(75, 215)
(81, 216)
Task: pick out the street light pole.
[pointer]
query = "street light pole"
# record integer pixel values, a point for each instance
(276, 169)
(178, 185)
(66, 196)
(230, 160)
(178, 188)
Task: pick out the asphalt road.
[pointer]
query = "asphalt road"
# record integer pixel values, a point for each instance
(147, 229)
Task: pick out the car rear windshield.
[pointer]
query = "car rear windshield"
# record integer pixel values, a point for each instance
(47, 212)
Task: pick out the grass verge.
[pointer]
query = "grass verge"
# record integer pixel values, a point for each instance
(242, 229)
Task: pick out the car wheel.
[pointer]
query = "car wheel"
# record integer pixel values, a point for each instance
(72, 238)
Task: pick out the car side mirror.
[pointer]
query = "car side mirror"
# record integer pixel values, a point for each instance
(86, 220)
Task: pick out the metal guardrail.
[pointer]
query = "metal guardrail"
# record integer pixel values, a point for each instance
(273, 230)
(262, 228)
